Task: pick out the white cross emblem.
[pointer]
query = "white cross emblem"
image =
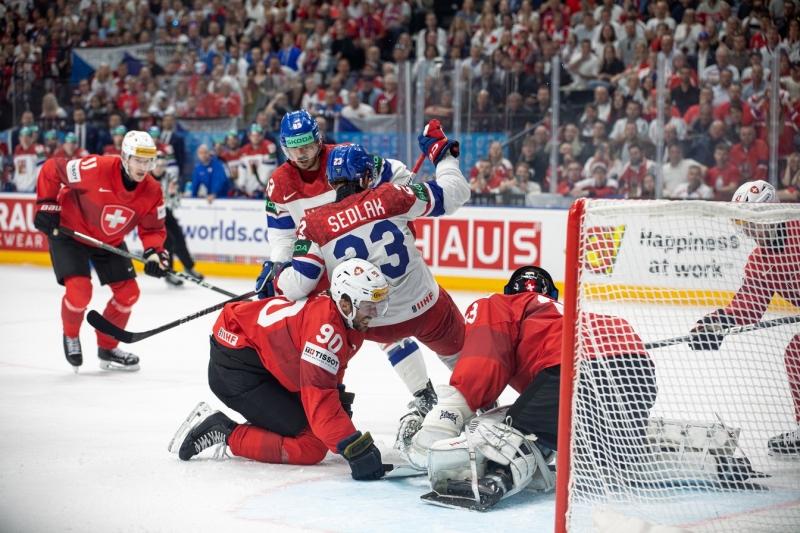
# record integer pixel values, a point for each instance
(115, 218)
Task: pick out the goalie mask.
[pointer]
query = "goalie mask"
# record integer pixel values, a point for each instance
(531, 279)
(363, 285)
(765, 232)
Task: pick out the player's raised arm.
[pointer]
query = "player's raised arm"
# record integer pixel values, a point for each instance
(449, 191)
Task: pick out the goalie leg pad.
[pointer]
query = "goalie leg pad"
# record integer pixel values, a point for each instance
(446, 419)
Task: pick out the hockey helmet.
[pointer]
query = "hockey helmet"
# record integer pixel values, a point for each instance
(758, 191)
(139, 144)
(362, 283)
(300, 136)
(531, 279)
(350, 163)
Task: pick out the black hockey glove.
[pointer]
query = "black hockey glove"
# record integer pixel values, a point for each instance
(157, 262)
(265, 283)
(707, 334)
(362, 454)
(424, 399)
(347, 399)
(48, 216)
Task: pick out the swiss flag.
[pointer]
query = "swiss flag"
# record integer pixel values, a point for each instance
(115, 218)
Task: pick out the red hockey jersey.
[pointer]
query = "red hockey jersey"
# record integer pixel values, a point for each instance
(306, 346)
(509, 339)
(94, 200)
(769, 271)
(79, 153)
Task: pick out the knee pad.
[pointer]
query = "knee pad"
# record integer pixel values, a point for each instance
(308, 449)
(79, 291)
(126, 293)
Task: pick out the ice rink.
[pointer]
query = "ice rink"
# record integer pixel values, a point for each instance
(88, 452)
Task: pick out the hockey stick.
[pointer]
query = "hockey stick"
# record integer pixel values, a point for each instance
(417, 165)
(727, 331)
(125, 253)
(102, 324)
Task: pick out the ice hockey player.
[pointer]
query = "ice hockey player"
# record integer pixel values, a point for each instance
(375, 224)
(175, 242)
(257, 161)
(772, 268)
(300, 184)
(103, 197)
(172, 170)
(515, 339)
(280, 364)
(70, 149)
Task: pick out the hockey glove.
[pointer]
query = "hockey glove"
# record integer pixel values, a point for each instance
(347, 399)
(708, 333)
(266, 281)
(424, 399)
(362, 454)
(48, 216)
(435, 144)
(157, 262)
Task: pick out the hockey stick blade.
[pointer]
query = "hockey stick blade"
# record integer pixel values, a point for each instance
(735, 330)
(402, 472)
(134, 257)
(104, 326)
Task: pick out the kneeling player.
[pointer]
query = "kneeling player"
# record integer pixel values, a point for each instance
(515, 339)
(280, 364)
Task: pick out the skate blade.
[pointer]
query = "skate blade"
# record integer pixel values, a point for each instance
(116, 367)
(779, 456)
(75, 368)
(198, 414)
(454, 502)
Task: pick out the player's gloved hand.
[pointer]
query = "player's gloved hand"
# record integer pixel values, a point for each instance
(157, 263)
(362, 454)
(266, 281)
(424, 399)
(707, 334)
(347, 399)
(435, 144)
(48, 216)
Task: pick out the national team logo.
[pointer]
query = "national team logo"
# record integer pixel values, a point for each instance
(115, 218)
(358, 271)
(601, 248)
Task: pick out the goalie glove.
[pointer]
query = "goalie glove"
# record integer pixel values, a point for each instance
(708, 334)
(157, 262)
(362, 454)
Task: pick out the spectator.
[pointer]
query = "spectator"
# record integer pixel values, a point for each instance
(687, 33)
(70, 149)
(28, 160)
(722, 111)
(669, 118)
(115, 147)
(50, 108)
(702, 123)
(757, 85)
(694, 188)
(626, 46)
(633, 113)
(484, 181)
(704, 147)
(329, 109)
(85, 134)
(596, 186)
(750, 155)
(584, 65)
(789, 190)
(633, 172)
(724, 177)
(51, 142)
(230, 155)
(704, 58)
(631, 137)
(712, 75)
(209, 179)
(521, 182)
(437, 34)
(676, 169)
(685, 95)
(573, 176)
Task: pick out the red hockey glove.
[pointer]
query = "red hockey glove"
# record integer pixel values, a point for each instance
(435, 144)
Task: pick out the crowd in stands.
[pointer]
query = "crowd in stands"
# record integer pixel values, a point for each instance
(490, 61)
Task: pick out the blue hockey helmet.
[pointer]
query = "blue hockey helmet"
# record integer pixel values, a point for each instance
(300, 136)
(531, 279)
(350, 163)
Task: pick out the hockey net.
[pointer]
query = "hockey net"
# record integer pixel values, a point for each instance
(675, 437)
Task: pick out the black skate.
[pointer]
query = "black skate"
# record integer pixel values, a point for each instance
(202, 429)
(786, 446)
(173, 281)
(73, 352)
(116, 359)
(194, 273)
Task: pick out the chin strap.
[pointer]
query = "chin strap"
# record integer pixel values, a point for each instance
(347, 318)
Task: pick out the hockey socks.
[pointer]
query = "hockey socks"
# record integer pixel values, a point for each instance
(118, 309)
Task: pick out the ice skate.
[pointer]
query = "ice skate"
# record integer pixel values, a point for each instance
(117, 359)
(194, 273)
(460, 495)
(202, 429)
(73, 352)
(173, 281)
(786, 445)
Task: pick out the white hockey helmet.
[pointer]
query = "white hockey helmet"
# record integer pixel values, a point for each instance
(756, 192)
(140, 144)
(363, 284)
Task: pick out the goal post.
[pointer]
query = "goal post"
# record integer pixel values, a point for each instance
(665, 434)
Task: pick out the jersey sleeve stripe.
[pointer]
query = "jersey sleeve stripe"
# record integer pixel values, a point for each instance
(437, 200)
(284, 222)
(386, 172)
(306, 268)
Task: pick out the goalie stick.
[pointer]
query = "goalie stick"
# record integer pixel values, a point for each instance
(735, 330)
(101, 323)
(133, 257)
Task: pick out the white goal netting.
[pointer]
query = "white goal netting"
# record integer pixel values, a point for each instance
(663, 432)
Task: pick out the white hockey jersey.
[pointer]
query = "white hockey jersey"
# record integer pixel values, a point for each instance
(376, 225)
(292, 192)
(255, 166)
(27, 164)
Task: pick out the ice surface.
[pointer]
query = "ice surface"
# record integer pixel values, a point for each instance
(88, 452)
